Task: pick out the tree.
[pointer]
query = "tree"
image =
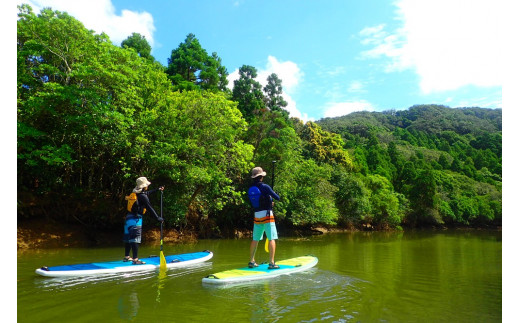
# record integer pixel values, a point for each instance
(273, 93)
(139, 44)
(190, 67)
(194, 142)
(352, 197)
(422, 198)
(187, 60)
(384, 202)
(66, 111)
(310, 196)
(248, 93)
(443, 161)
(213, 76)
(360, 161)
(324, 146)
(78, 96)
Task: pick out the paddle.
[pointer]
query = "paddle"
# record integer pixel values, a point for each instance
(162, 265)
(266, 247)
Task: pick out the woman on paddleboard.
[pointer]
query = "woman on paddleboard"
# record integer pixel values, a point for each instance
(261, 196)
(138, 205)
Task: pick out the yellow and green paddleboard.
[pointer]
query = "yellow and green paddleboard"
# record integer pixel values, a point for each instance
(246, 274)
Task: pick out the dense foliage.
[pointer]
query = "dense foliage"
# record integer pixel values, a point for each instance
(445, 165)
(93, 116)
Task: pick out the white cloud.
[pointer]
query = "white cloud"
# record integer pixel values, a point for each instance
(337, 109)
(449, 43)
(232, 77)
(100, 16)
(288, 72)
(334, 71)
(355, 87)
(291, 75)
(373, 35)
(372, 30)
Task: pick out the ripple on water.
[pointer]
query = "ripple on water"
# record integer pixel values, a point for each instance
(307, 296)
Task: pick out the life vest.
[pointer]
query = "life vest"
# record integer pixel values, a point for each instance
(131, 200)
(258, 200)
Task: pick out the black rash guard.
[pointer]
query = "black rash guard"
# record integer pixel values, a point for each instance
(144, 203)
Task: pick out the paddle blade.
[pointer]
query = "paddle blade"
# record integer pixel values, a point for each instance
(266, 247)
(163, 261)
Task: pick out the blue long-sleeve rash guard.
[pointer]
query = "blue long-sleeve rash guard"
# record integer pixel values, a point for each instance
(267, 190)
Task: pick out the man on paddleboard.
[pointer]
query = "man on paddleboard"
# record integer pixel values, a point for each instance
(138, 205)
(261, 196)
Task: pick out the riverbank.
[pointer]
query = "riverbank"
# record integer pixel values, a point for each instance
(43, 234)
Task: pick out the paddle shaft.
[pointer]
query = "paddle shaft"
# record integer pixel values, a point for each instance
(161, 221)
(161, 254)
(272, 178)
(266, 246)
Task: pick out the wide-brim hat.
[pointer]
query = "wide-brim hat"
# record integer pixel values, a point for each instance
(257, 171)
(142, 182)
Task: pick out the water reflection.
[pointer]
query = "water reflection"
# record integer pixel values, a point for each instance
(161, 280)
(77, 282)
(128, 305)
(289, 298)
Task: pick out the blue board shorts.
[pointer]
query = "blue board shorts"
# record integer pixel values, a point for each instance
(269, 226)
(133, 228)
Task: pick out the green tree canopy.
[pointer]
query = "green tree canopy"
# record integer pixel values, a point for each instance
(248, 92)
(273, 93)
(324, 146)
(139, 43)
(190, 67)
(194, 142)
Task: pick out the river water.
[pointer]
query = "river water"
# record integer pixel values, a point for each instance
(440, 276)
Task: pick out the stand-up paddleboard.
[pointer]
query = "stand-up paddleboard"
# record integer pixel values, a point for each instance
(112, 267)
(246, 274)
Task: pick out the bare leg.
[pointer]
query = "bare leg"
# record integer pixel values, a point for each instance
(252, 250)
(272, 249)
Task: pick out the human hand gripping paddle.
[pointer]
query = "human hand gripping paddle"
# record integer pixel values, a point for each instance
(162, 265)
(266, 246)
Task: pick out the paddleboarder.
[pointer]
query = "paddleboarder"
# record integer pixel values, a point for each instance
(138, 205)
(261, 196)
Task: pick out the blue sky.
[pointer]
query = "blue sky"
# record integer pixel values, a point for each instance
(333, 56)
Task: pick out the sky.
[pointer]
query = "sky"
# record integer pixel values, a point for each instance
(334, 56)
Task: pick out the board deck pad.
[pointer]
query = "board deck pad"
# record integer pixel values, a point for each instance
(108, 267)
(245, 274)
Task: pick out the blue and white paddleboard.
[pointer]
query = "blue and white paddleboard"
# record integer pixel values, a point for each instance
(246, 274)
(112, 267)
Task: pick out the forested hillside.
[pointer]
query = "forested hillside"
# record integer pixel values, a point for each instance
(92, 117)
(446, 162)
